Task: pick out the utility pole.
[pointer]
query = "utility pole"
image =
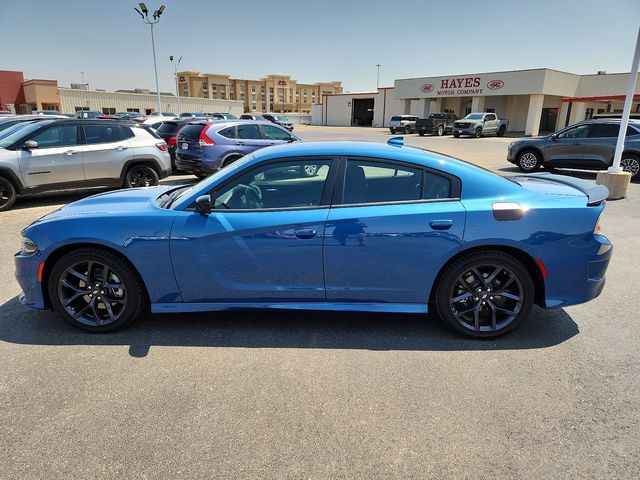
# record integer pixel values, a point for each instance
(175, 73)
(144, 13)
(378, 76)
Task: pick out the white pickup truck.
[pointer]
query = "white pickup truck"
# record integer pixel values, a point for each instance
(479, 124)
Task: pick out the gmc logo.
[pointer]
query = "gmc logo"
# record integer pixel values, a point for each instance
(426, 88)
(495, 84)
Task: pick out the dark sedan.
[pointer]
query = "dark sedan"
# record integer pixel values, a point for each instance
(588, 145)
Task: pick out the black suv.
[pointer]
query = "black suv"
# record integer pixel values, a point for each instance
(438, 123)
(588, 145)
(168, 131)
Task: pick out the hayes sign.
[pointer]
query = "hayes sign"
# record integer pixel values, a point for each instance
(462, 86)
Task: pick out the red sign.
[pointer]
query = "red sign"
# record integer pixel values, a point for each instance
(465, 82)
(495, 84)
(426, 88)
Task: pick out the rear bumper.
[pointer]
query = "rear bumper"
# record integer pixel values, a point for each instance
(193, 165)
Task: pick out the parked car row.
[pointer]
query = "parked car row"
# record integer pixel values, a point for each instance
(474, 124)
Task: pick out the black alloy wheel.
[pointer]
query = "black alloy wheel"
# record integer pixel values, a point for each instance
(7, 194)
(141, 176)
(96, 290)
(485, 294)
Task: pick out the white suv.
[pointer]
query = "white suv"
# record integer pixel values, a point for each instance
(66, 154)
(403, 123)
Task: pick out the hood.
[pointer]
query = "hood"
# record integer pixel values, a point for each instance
(561, 185)
(130, 200)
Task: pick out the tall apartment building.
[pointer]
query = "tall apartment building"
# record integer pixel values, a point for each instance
(274, 93)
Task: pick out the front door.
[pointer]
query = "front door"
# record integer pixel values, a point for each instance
(394, 228)
(248, 138)
(263, 240)
(566, 148)
(57, 160)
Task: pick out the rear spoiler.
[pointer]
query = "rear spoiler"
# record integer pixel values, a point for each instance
(595, 193)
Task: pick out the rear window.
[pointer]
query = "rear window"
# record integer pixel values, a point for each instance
(396, 118)
(168, 128)
(191, 131)
(440, 116)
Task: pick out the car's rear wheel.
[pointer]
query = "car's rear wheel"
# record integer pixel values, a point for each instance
(629, 163)
(230, 160)
(478, 132)
(501, 131)
(141, 176)
(529, 161)
(407, 129)
(421, 134)
(392, 130)
(456, 135)
(96, 290)
(484, 294)
(7, 194)
(440, 130)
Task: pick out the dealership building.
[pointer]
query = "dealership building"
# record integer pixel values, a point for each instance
(534, 101)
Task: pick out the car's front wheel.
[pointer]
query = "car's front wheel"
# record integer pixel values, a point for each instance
(440, 130)
(484, 294)
(7, 194)
(629, 163)
(478, 132)
(407, 129)
(529, 161)
(392, 130)
(141, 176)
(96, 290)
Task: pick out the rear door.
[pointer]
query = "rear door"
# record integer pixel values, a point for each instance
(389, 231)
(57, 160)
(600, 144)
(105, 151)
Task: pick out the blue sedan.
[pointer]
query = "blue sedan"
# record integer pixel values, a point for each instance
(376, 228)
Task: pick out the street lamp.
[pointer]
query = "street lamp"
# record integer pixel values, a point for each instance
(175, 73)
(378, 76)
(144, 13)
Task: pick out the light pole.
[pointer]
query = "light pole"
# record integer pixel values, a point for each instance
(144, 13)
(175, 73)
(378, 76)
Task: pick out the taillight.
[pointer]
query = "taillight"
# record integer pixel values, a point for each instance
(171, 141)
(203, 140)
(598, 228)
(433, 122)
(162, 146)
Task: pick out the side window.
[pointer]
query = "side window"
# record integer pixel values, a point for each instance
(491, 117)
(372, 182)
(125, 133)
(599, 130)
(248, 132)
(286, 184)
(435, 186)
(632, 131)
(229, 132)
(58, 136)
(275, 133)
(579, 131)
(94, 134)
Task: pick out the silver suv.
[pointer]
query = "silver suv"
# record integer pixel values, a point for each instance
(403, 123)
(66, 154)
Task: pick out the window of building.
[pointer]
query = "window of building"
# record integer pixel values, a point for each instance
(242, 96)
(287, 179)
(270, 89)
(136, 110)
(253, 89)
(232, 96)
(214, 87)
(262, 90)
(241, 88)
(223, 88)
(82, 109)
(264, 106)
(253, 98)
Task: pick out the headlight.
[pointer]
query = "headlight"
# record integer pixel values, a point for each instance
(28, 246)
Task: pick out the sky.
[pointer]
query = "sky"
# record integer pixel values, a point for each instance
(320, 40)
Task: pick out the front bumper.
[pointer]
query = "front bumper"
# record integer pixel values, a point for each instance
(465, 130)
(27, 277)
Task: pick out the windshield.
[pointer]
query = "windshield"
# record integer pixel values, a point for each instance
(13, 128)
(474, 116)
(22, 132)
(280, 118)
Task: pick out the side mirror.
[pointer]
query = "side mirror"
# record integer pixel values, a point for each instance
(484, 120)
(554, 137)
(30, 144)
(203, 204)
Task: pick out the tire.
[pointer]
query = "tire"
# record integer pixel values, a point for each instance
(629, 163)
(84, 291)
(529, 161)
(141, 176)
(440, 131)
(478, 132)
(201, 175)
(310, 170)
(456, 135)
(479, 312)
(501, 131)
(7, 194)
(421, 134)
(407, 130)
(230, 160)
(392, 130)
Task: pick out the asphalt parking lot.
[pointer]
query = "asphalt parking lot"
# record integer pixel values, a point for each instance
(319, 395)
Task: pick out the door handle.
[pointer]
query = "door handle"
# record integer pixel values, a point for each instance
(240, 143)
(305, 233)
(441, 224)
(70, 152)
(120, 148)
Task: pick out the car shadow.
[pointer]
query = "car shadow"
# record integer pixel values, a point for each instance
(282, 329)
